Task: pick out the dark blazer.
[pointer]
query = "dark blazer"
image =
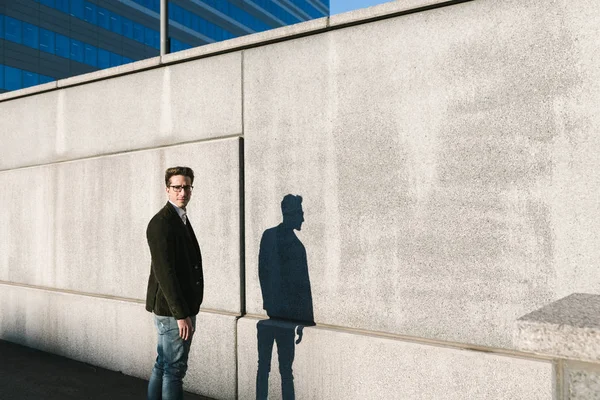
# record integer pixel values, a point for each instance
(176, 283)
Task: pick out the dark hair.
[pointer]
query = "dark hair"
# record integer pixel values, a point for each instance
(291, 204)
(185, 171)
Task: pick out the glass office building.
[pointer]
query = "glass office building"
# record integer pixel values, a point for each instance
(45, 40)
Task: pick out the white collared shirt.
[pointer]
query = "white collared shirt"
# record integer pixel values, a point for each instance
(181, 212)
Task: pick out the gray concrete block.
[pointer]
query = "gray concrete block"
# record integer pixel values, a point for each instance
(176, 104)
(436, 158)
(332, 364)
(582, 381)
(84, 228)
(117, 335)
(28, 130)
(567, 328)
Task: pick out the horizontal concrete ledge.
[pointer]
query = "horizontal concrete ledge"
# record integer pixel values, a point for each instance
(118, 153)
(423, 341)
(567, 328)
(387, 10)
(361, 16)
(101, 296)
(45, 87)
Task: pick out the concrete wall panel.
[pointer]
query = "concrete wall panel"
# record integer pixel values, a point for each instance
(427, 149)
(27, 140)
(174, 104)
(120, 336)
(330, 364)
(82, 225)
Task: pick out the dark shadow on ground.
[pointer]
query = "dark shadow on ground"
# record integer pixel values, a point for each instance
(287, 297)
(29, 374)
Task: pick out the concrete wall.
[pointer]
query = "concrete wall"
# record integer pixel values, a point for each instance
(447, 162)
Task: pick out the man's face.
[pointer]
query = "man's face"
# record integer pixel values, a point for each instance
(181, 198)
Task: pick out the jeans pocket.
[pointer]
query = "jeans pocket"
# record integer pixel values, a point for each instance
(163, 324)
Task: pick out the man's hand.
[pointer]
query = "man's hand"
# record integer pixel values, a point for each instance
(186, 330)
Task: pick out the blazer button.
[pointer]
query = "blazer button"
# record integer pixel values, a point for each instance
(197, 283)
(196, 267)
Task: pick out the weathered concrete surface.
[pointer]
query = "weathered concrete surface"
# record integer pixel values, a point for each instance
(568, 328)
(179, 103)
(582, 381)
(330, 364)
(82, 225)
(117, 335)
(448, 168)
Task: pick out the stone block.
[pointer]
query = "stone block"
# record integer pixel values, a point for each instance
(175, 104)
(582, 381)
(117, 335)
(334, 364)
(84, 224)
(426, 148)
(28, 130)
(567, 328)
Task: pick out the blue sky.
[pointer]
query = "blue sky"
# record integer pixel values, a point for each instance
(340, 6)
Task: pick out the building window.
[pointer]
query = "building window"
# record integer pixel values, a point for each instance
(76, 50)
(127, 28)
(91, 55)
(115, 23)
(90, 13)
(46, 41)
(77, 8)
(12, 30)
(115, 60)
(103, 59)
(12, 78)
(62, 46)
(103, 18)
(30, 35)
(30, 79)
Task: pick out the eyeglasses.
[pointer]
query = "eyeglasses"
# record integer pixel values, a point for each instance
(177, 188)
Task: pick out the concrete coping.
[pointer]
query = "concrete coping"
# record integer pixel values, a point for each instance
(360, 16)
(567, 328)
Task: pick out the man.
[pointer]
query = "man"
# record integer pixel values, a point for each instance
(175, 286)
(287, 297)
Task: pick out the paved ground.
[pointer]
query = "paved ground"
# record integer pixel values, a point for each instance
(28, 374)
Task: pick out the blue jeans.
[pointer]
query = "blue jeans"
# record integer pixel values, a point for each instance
(166, 382)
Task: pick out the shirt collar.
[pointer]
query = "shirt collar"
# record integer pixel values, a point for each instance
(180, 211)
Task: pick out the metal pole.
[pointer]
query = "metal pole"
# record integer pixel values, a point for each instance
(165, 47)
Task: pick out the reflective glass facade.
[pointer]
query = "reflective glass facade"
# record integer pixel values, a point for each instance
(46, 40)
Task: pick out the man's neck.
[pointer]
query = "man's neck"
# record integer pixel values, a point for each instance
(177, 207)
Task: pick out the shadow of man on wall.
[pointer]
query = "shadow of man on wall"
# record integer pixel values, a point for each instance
(287, 297)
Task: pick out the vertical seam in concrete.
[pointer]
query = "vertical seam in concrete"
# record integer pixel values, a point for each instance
(560, 388)
(242, 195)
(242, 230)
